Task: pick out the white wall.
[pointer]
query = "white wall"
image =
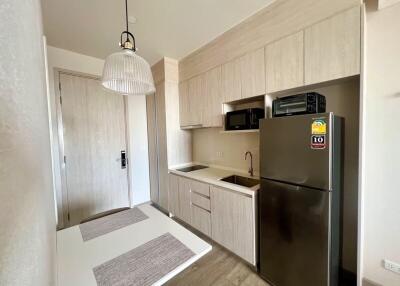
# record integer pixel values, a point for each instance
(381, 192)
(137, 123)
(27, 222)
(138, 148)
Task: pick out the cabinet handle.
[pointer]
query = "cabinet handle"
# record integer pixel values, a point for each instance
(200, 207)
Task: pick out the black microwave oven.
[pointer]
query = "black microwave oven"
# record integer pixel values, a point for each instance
(243, 119)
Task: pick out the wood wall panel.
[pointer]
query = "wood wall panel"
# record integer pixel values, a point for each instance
(165, 70)
(280, 19)
(179, 142)
(152, 146)
(162, 146)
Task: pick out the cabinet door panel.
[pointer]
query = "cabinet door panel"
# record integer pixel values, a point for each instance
(201, 220)
(196, 102)
(174, 195)
(184, 104)
(252, 73)
(153, 147)
(284, 63)
(184, 200)
(231, 83)
(332, 47)
(222, 217)
(162, 146)
(232, 222)
(200, 188)
(200, 201)
(212, 113)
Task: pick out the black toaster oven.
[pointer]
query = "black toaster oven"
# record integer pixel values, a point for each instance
(305, 103)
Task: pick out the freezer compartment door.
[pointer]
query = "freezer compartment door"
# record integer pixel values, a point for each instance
(294, 234)
(290, 151)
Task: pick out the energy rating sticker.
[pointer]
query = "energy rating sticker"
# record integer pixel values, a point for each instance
(318, 127)
(318, 142)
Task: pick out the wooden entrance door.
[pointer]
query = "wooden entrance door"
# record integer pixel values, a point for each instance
(94, 135)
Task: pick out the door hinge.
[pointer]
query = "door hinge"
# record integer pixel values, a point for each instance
(65, 159)
(59, 86)
(60, 100)
(69, 218)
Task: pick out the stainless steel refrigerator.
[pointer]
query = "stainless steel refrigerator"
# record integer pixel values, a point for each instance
(299, 200)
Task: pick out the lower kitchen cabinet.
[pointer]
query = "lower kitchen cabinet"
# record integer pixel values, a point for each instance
(228, 217)
(174, 205)
(233, 222)
(185, 212)
(201, 220)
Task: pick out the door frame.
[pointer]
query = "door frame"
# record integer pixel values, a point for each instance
(62, 207)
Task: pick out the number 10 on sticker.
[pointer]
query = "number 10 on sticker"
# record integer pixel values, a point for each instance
(318, 142)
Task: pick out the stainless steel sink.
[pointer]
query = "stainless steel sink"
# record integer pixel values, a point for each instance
(241, 181)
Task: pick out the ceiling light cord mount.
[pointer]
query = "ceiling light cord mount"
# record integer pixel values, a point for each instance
(127, 44)
(126, 72)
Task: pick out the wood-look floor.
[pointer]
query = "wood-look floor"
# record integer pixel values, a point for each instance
(218, 267)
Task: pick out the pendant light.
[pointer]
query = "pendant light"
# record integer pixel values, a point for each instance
(124, 71)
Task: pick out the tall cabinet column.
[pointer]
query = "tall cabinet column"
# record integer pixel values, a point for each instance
(169, 146)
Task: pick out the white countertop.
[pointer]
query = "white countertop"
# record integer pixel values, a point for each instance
(76, 258)
(213, 176)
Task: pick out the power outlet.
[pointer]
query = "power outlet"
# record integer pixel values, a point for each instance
(220, 154)
(391, 266)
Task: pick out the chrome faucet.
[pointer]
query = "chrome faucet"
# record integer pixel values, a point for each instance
(251, 171)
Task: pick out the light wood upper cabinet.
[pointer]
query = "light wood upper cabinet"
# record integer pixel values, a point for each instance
(200, 100)
(244, 77)
(196, 100)
(231, 82)
(332, 47)
(284, 63)
(184, 112)
(232, 222)
(212, 113)
(191, 105)
(252, 73)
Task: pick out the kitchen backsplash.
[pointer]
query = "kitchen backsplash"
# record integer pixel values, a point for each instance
(210, 146)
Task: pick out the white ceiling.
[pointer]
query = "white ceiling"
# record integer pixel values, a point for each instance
(172, 28)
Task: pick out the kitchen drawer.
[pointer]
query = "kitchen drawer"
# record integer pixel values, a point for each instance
(201, 201)
(201, 220)
(200, 188)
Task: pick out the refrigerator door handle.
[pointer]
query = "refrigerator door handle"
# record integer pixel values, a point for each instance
(289, 186)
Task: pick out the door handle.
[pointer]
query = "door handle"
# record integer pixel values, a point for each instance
(123, 159)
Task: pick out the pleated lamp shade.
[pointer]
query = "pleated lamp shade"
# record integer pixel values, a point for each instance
(127, 73)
